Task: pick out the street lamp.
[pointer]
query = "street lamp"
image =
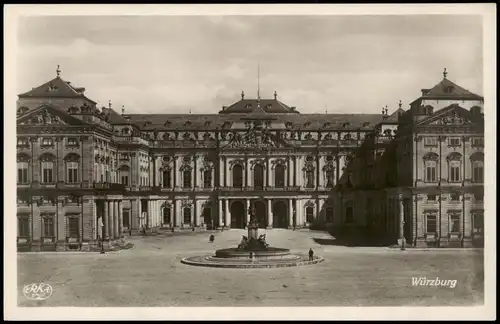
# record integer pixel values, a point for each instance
(403, 237)
(100, 235)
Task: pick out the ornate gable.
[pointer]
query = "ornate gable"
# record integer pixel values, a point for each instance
(451, 116)
(47, 116)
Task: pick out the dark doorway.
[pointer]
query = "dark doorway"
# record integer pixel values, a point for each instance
(207, 215)
(167, 219)
(279, 215)
(258, 177)
(261, 213)
(237, 214)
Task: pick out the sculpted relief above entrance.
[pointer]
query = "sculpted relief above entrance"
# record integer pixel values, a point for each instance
(256, 137)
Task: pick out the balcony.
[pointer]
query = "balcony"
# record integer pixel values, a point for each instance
(260, 188)
(104, 186)
(130, 140)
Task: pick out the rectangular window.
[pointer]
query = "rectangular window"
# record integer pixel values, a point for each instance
(454, 141)
(431, 224)
(479, 196)
(186, 179)
(477, 172)
(72, 172)
(72, 141)
(187, 215)
(167, 182)
(207, 179)
(430, 174)
(73, 226)
(22, 172)
(454, 174)
(125, 180)
(454, 223)
(23, 226)
(478, 141)
(47, 172)
(478, 225)
(48, 226)
(47, 142)
(430, 141)
(455, 196)
(22, 142)
(431, 197)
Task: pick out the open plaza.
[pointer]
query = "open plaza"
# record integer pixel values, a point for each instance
(152, 274)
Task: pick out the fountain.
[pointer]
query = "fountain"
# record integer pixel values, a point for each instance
(252, 252)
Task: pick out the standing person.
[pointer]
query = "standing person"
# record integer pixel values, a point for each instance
(311, 254)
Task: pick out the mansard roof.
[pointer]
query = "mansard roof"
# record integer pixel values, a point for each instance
(56, 87)
(114, 117)
(267, 105)
(448, 90)
(312, 122)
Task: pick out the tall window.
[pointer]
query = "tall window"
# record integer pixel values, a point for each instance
(430, 161)
(207, 179)
(47, 164)
(22, 172)
(48, 226)
(454, 223)
(72, 172)
(454, 166)
(477, 161)
(349, 217)
(431, 226)
(23, 226)
(186, 178)
(310, 214)
(279, 173)
(237, 176)
(310, 178)
(330, 176)
(329, 214)
(73, 227)
(167, 178)
(186, 211)
(166, 215)
(258, 176)
(477, 223)
(125, 180)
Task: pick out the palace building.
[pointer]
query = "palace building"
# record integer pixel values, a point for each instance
(86, 174)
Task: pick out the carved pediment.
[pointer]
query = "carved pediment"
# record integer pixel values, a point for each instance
(451, 119)
(255, 137)
(454, 116)
(47, 115)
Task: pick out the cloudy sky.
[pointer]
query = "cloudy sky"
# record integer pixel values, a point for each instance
(173, 64)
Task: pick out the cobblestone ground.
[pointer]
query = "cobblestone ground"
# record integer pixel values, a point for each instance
(151, 275)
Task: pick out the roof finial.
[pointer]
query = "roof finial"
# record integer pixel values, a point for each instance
(189, 110)
(400, 104)
(326, 109)
(242, 94)
(123, 109)
(445, 73)
(275, 95)
(386, 109)
(109, 104)
(58, 71)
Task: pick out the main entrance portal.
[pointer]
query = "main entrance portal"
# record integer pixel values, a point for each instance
(260, 213)
(279, 215)
(237, 215)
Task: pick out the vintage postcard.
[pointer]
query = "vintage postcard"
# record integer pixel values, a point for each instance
(250, 162)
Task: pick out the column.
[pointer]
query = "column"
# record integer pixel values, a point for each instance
(94, 217)
(298, 171)
(116, 218)
(174, 173)
(269, 213)
(177, 213)
(105, 221)
(290, 212)
(321, 164)
(299, 221)
(220, 214)
(228, 213)
(221, 172)
(120, 218)
(268, 173)
(111, 212)
(197, 213)
(247, 210)
(401, 217)
(289, 178)
(193, 210)
(247, 174)
(226, 173)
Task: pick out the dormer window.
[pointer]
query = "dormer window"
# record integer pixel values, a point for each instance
(52, 88)
(187, 123)
(326, 124)
(167, 123)
(288, 125)
(269, 106)
(207, 123)
(248, 106)
(344, 125)
(448, 89)
(365, 124)
(306, 124)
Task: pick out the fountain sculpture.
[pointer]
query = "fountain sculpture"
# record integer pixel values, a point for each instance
(252, 252)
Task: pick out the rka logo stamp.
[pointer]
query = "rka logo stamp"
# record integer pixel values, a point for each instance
(37, 291)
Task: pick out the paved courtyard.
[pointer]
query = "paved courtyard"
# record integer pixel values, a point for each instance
(151, 274)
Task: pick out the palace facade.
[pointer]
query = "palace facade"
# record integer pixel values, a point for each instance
(86, 174)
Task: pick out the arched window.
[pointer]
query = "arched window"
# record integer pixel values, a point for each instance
(430, 162)
(454, 167)
(72, 166)
(477, 163)
(258, 176)
(167, 178)
(47, 167)
(186, 178)
(237, 176)
(186, 212)
(167, 217)
(279, 173)
(22, 168)
(207, 178)
(309, 214)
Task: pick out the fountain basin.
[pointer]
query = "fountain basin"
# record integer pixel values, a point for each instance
(258, 253)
